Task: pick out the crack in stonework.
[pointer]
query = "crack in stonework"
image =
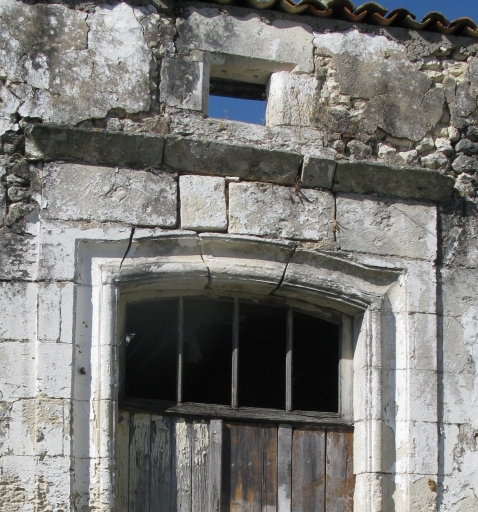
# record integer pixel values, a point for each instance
(209, 278)
(130, 242)
(279, 284)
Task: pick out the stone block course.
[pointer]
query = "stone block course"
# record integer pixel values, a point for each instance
(223, 159)
(270, 210)
(203, 203)
(386, 227)
(78, 192)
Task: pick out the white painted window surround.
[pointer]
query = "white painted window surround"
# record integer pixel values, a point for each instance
(377, 300)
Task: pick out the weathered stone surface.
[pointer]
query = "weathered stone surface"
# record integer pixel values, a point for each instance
(282, 41)
(394, 86)
(435, 160)
(409, 183)
(318, 170)
(98, 146)
(223, 159)
(270, 210)
(465, 163)
(386, 227)
(184, 84)
(245, 263)
(79, 192)
(359, 149)
(203, 203)
(68, 66)
(467, 147)
(291, 99)
(18, 255)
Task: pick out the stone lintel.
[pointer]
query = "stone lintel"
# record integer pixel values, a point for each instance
(386, 180)
(198, 156)
(98, 146)
(224, 159)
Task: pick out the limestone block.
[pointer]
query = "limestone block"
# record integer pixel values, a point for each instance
(18, 481)
(386, 227)
(98, 146)
(270, 210)
(223, 159)
(460, 341)
(69, 65)
(184, 84)
(17, 427)
(54, 369)
(318, 169)
(459, 292)
(405, 182)
(18, 320)
(245, 263)
(419, 435)
(281, 41)
(52, 427)
(291, 99)
(420, 398)
(460, 398)
(203, 203)
(53, 474)
(17, 370)
(79, 192)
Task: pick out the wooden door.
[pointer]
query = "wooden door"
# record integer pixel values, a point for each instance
(172, 464)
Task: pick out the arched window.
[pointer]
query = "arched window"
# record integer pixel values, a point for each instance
(231, 352)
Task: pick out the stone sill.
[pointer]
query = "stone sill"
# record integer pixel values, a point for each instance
(196, 156)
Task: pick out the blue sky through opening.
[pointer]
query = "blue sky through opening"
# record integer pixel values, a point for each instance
(254, 111)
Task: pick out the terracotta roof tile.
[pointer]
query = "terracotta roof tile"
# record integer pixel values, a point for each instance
(369, 12)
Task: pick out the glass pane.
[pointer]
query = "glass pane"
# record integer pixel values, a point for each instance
(207, 351)
(315, 375)
(262, 350)
(151, 351)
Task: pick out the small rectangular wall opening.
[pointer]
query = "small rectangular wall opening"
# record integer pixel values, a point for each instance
(237, 101)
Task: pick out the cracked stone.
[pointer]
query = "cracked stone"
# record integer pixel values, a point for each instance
(17, 194)
(444, 146)
(385, 151)
(426, 144)
(408, 157)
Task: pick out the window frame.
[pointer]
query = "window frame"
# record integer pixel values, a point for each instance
(342, 418)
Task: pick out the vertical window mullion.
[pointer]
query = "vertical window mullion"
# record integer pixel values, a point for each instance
(288, 360)
(235, 355)
(180, 361)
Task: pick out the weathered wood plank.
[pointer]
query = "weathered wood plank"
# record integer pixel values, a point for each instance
(269, 468)
(122, 461)
(242, 477)
(308, 470)
(139, 459)
(288, 360)
(284, 468)
(160, 479)
(200, 466)
(215, 465)
(181, 473)
(340, 480)
(330, 419)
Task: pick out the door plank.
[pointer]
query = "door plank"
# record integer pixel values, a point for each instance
(200, 466)
(160, 480)
(308, 470)
(269, 468)
(215, 465)
(284, 469)
(181, 474)
(139, 468)
(122, 461)
(340, 480)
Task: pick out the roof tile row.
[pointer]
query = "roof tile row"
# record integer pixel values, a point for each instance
(369, 12)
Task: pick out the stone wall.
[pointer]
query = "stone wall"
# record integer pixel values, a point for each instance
(358, 194)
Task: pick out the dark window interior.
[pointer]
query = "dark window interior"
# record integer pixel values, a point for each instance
(208, 332)
(315, 366)
(151, 350)
(262, 350)
(207, 351)
(237, 101)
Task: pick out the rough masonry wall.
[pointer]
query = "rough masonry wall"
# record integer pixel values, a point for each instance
(338, 93)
